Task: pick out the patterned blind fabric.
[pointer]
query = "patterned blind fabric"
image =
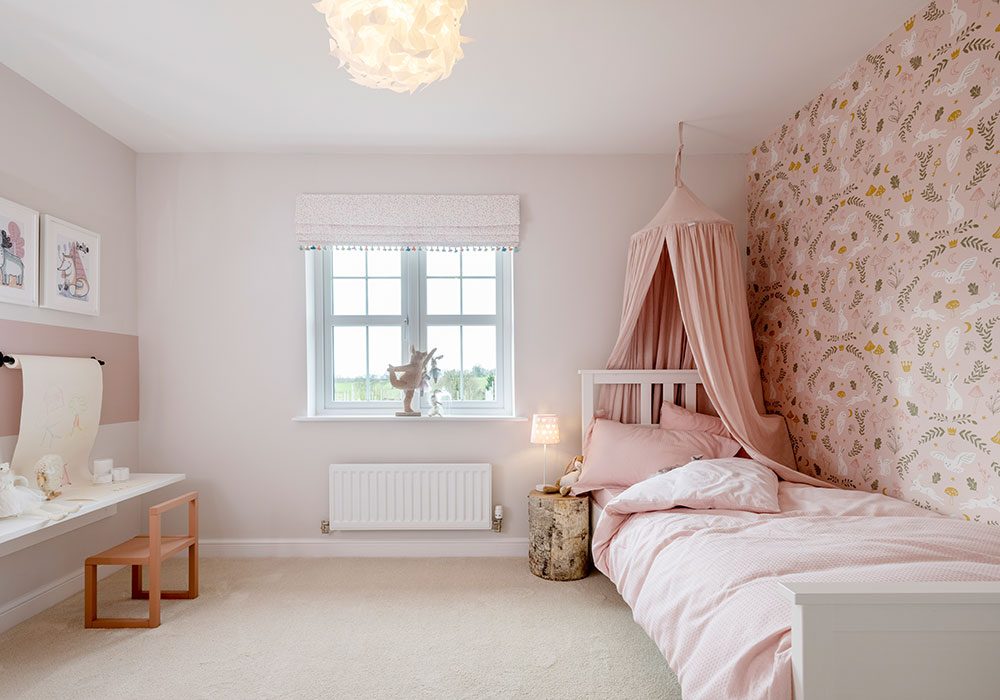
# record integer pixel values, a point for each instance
(408, 221)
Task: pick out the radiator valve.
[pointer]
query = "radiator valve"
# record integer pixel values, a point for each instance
(324, 527)
(497, 518)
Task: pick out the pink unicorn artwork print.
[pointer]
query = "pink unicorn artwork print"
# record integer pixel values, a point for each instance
(73, 282)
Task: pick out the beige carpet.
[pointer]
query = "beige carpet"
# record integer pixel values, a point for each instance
(346, 628)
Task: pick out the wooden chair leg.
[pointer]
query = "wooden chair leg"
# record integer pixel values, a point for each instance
(193, 571)
(89, 595)
(137, 592)
(154, 593)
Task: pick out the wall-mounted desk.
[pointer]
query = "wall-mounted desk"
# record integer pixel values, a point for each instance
(98, 502)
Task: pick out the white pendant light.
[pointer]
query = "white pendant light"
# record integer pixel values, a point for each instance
(397, 45)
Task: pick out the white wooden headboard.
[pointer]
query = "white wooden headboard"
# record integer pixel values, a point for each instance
(590, 379)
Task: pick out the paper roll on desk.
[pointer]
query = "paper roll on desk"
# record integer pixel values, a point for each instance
(60, 412)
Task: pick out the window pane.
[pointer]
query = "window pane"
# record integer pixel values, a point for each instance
(442, 264)
(479, 296)
(348, 263)
(479, 263)
(384, 348)
(348, 297)
(442, 296)
(384, 263)
(447, 340)
(349, 350)
(384, 297)
(479, 360)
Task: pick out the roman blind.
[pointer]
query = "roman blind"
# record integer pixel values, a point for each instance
(408, 221)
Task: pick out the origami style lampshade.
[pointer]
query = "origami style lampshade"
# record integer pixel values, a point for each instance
(397, 45)
(545, 432)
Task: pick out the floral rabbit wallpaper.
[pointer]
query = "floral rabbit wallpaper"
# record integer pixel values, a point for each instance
(875, 267)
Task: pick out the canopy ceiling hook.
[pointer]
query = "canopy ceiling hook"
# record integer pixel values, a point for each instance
(677, 161)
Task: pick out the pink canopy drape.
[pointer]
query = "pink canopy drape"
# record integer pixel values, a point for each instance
(686, 306)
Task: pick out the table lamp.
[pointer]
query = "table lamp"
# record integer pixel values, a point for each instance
(544, 432)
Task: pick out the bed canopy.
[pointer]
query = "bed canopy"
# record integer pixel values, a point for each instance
(686, 306)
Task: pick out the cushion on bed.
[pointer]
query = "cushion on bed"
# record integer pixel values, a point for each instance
(709, 484)
(674, 417)
(620, 455)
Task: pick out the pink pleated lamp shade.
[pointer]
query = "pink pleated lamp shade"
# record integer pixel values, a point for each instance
(544, 429)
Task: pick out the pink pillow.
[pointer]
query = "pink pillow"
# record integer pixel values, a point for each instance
(620, 455)
(674, 417)
(720, 484)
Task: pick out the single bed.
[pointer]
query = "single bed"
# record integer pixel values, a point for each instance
(842, 594)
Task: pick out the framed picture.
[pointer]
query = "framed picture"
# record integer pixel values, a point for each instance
(71, 267)
(18, 254)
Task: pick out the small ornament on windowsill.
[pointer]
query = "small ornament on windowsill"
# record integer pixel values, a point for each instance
(436, 404)
(437, 395)
(410, 378)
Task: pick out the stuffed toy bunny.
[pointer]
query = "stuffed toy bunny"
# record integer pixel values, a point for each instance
(571, 475)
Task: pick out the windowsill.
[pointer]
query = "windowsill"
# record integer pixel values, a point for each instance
(409, 419)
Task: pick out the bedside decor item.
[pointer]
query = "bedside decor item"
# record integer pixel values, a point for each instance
(410, 377)
(119, 474)
(559, 536)
(571, 475)
(397, 45)
(51, 475)
(71, 267)
(18, 254)
(545, 432)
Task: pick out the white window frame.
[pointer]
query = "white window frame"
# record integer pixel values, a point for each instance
(414, 321)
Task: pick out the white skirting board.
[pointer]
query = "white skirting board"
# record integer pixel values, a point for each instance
(44, 597)
(334, 547)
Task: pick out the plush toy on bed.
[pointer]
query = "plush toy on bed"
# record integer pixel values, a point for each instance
(571, 475)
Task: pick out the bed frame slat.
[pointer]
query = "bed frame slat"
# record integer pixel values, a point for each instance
(646, 379)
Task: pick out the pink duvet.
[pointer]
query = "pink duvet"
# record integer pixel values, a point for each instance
(704, 584)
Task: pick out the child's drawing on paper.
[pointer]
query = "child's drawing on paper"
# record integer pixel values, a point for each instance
(63, 417)
(60, 412)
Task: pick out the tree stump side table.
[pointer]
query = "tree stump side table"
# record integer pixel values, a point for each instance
(559, 536)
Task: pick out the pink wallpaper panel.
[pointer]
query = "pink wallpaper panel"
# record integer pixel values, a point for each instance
(875, 267)
(121, 372)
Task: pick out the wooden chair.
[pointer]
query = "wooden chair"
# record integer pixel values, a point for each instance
(150, 551)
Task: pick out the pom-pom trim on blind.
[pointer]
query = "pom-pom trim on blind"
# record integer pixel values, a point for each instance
(408, 221)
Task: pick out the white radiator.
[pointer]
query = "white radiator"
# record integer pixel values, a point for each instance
(410, 496)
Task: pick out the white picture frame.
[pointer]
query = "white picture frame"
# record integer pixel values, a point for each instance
(18, 254)
(70, 267)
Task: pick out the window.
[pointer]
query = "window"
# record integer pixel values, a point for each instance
(370, 306)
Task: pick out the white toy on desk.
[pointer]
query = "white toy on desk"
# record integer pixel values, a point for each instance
(17, 498)
(50, 473)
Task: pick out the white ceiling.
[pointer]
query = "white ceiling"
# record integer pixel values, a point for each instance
(543, 76)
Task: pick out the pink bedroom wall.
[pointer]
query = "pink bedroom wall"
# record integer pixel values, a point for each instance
(875, 267)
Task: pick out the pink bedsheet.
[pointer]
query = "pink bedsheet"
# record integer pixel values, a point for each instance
(704, 584)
